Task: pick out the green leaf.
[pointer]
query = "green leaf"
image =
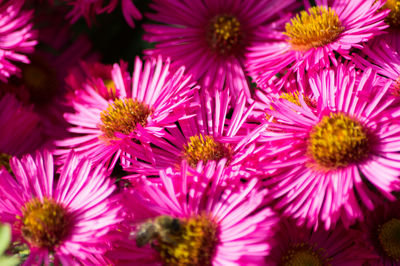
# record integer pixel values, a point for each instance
(9, 261)
(5, 237)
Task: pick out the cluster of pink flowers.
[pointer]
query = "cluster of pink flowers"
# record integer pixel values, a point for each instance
(250, 132)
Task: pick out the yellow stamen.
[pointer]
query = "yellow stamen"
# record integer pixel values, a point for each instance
(5, 161)
(389, 238)
(194, 244)
(337, 141)
(44, 223)
(205, 148)
(314, 28)
(393, 19)
(304, 254)
(224, 34)
(123, 116)
(292, 97)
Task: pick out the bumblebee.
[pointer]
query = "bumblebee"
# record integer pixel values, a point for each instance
(161, 228)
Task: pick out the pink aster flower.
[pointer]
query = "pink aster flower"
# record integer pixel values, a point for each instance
(209, 135)
(198, 220)
(210, 38)
(17, 36)
(314, 37)
(20, 130)
(90, 8)
(127, 107)
(381, 229)
(65, 219)
(302, 246)
(332, 161)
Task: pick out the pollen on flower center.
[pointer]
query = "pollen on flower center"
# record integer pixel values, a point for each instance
(315, 28)
(193, 244)
(303, 254)
(338, 140)
(205, 148)
(5, 161)
(44, 223)
(393, 19)
(389, 238)
(293, 97)
(123, 116)
(224, 34)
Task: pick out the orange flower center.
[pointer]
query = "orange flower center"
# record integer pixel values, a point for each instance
(393, 19)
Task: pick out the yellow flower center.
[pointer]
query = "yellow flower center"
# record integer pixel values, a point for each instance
(224, 34)
(389, 238)
(192, 244)
(337, 141)
(393, 19)
(44, 223)
(205, 148)
(5, 161)
(304, 254)
(314, 28)
(123, 116)
(40, 79)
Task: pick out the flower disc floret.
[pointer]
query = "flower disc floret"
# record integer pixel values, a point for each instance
(194, 244)
(44, 223)
(224, 34)
(205, 148)
(304, 254)
(393, 19)
(123, 115)
(389, 238)
(313, 28)
(337, 141)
